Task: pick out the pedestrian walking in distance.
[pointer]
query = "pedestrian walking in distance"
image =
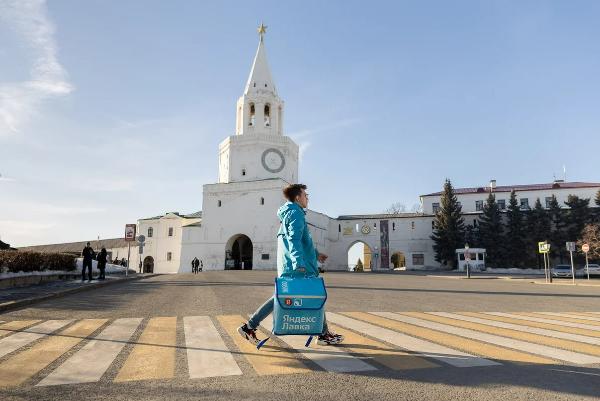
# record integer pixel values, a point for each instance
(88, 255)
(201, 265)
(102, 263)
(197, 265)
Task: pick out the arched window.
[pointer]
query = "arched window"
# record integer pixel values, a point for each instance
(219, 203)
(243, 171)
(262, 201)
(267, 115)
(252, 115)
(150, 232)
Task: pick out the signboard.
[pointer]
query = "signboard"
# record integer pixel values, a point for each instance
(384, 236)
(544, 247)
(571, 246)
(585, 248)
(129, 232)
(348, 231)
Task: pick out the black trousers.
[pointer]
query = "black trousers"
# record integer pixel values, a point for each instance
(88, 264)
(102, 269)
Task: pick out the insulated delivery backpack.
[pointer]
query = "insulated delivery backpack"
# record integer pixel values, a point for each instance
(299, 307)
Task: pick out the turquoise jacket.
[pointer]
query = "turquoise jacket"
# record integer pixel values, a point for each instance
(295, 248)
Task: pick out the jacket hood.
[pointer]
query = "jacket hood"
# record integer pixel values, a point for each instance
(286, 208)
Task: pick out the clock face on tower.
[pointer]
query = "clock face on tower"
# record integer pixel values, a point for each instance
(273, 160)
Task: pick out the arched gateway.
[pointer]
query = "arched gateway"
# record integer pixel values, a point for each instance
(239, 253)
(148, 264)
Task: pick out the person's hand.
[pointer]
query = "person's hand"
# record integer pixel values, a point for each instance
(322, 257)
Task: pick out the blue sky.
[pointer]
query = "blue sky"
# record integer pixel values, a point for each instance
(113, 111)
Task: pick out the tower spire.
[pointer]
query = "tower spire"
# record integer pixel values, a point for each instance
(260, 79)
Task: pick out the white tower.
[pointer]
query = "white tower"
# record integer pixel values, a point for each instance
(258, 150)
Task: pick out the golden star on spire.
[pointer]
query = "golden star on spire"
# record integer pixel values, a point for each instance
(262, 29)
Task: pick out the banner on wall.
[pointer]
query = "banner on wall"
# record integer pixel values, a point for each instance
(384, 236)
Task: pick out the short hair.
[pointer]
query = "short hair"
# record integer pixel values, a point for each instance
(292, 191)
(88, 243)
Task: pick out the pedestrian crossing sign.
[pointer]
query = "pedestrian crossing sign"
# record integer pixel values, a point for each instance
(544, 247)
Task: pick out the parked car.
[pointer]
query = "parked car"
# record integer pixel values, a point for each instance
(565, 271)
(594, 269)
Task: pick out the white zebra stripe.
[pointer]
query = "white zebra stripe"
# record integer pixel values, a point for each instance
(581, 317)
(421, 347)
(102, 350)
(207, 354)
(542, 320)
(526, 329)
(27, 336)
(532, 348)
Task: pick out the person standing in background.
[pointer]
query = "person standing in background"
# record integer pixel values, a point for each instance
(88, 255)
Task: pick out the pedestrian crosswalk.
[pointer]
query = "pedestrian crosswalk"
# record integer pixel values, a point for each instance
(62, 352)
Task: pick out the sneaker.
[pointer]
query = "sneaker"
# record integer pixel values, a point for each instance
(248, 334)
(329, 339)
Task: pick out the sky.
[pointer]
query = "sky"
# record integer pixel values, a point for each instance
(112, 111)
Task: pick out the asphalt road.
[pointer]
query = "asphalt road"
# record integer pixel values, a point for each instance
(217, 294)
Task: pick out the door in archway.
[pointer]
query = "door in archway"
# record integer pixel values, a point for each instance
(148, 264)
(240, 253)
(398, 259)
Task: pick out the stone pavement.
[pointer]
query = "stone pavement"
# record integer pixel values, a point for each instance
(11, 298)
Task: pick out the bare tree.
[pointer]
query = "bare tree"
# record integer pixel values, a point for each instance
(396, 208)
(591, 235)
(417, 208)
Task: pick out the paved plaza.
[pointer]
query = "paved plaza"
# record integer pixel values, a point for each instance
(407, 336)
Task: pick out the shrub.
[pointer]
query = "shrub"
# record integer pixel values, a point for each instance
(27, 261)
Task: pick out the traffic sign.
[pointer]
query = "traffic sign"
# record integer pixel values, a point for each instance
(571, 246)
(544, 247)
(130, 232)
(585, 248)
(141, 238)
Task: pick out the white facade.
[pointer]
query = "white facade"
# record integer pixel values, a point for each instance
(473, 199)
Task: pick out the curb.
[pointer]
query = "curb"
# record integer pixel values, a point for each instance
(10, 305)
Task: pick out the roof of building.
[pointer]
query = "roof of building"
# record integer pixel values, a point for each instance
(77, 247)
(526, 187)
(195, 215)
(382, 216)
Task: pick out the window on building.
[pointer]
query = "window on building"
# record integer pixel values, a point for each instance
(170, 231)
(418, 259)
(501, 204)
(548, 201)
(262, 201)
(219, 203)
(393, 226)
(374, 225)
(169, 256)
(243, 171)
(267, 115)
(475, 223)
(433, 225)
(252, 114)
(150, 232)
(264, 256)
(357, 228)
(339, 228)
(436, 207)
(524, 203)
(412, 225)
(479, 205)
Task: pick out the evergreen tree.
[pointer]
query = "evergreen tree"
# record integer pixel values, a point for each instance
(359, 266)
(538, 230)
(596, 210)
(491, 233)
(578, 216)
(515, 234)
(449, 231)
(472, 235)
(558, 231)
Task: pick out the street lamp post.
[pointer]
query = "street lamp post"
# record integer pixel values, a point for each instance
(467, 258)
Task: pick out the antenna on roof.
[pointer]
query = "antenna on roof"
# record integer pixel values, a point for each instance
(564, 173)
